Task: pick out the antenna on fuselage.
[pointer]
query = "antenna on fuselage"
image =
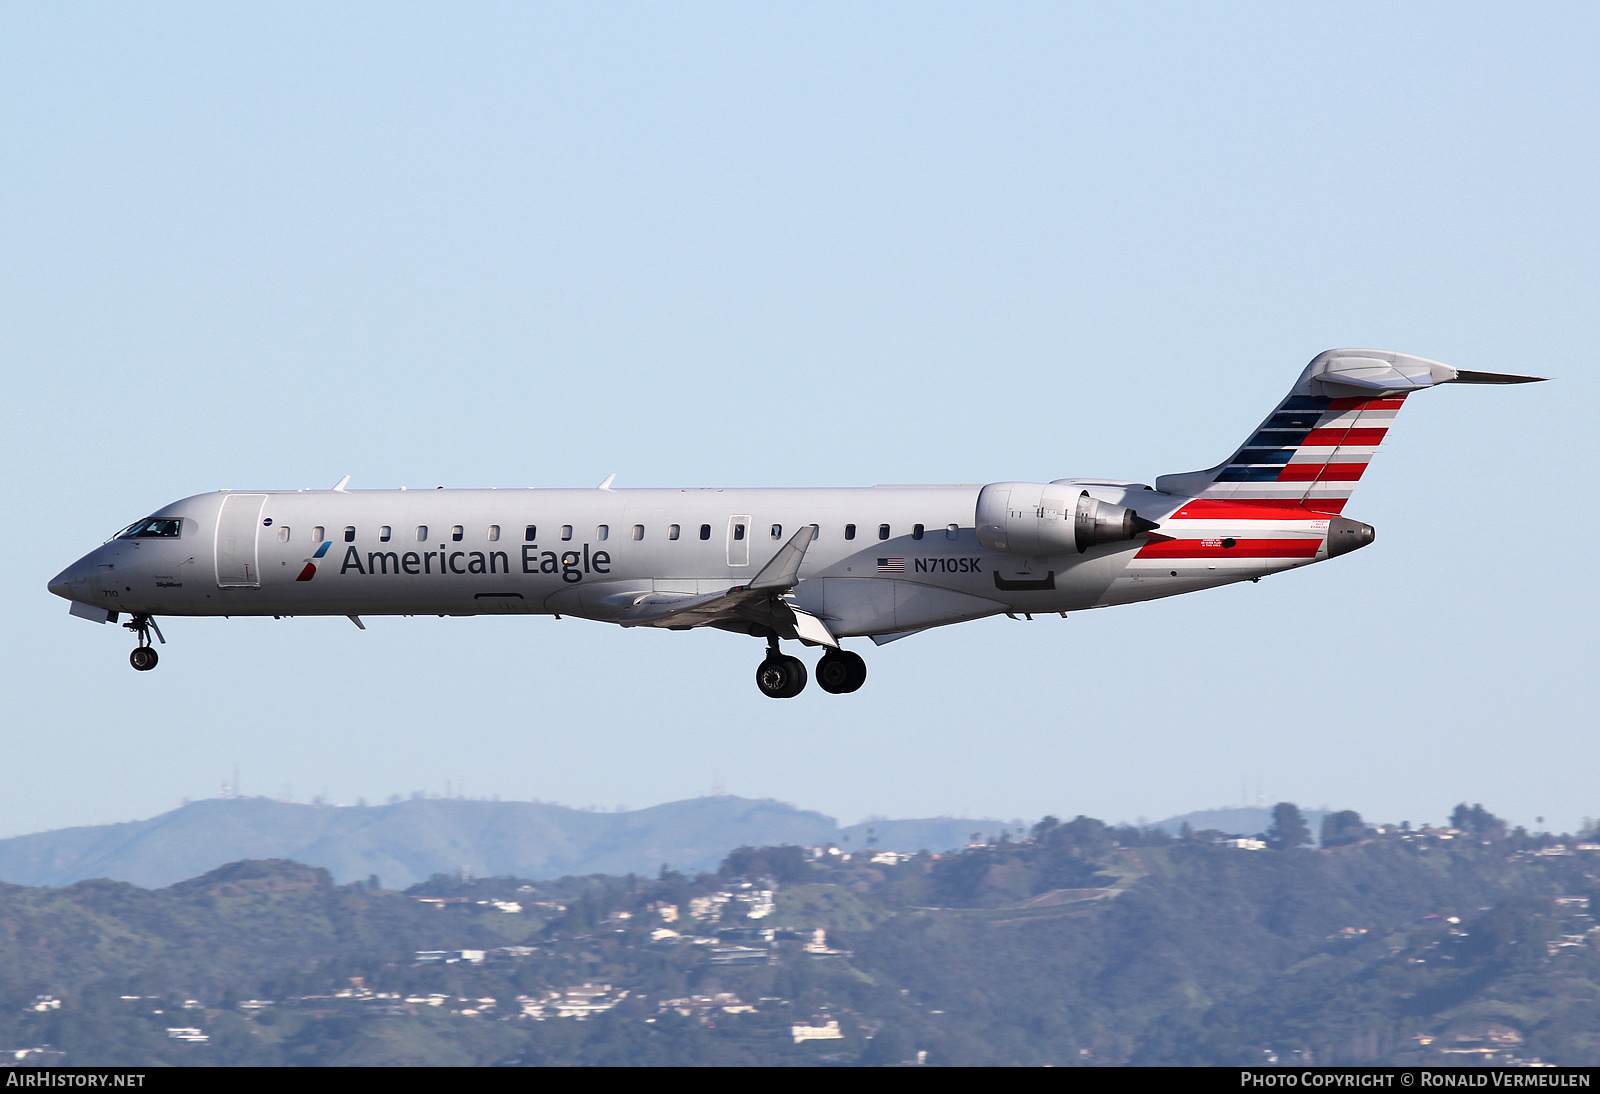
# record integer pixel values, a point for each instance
(609, 480)
(340, 485)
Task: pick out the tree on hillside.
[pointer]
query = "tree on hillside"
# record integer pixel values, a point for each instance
(1288, 829)
(1478, 821)
(1342, 827)
(787, 863)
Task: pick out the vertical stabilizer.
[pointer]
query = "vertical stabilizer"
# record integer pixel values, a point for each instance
(1314, 447)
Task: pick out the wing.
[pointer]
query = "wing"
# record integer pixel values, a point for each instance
(761, 602)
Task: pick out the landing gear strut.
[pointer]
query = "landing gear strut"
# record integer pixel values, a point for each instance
(841, 672)
(144, 655)
(780, 676)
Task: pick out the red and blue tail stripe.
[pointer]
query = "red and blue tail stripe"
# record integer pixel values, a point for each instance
(1308, 455)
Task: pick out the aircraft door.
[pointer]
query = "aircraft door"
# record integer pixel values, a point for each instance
(739, 541)
(238, 523)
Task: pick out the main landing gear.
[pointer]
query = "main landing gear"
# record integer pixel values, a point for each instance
(144, 656)
(780, 676)
(783, 677)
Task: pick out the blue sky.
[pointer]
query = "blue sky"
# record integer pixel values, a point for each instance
(519, 245)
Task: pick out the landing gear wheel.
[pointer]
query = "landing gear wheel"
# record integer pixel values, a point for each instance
(144, 656)
(781, 677)
(841, 672)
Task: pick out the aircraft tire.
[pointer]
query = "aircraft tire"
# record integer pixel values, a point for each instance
(841, 672)
(775, 677)
(858, 671)
(143, 658)
(797, 677)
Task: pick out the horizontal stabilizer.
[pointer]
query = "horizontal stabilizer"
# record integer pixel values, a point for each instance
(1465, 377)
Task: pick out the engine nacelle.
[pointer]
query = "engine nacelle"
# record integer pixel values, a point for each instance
(1035, 518)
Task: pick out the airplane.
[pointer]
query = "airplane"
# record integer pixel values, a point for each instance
(817, 566)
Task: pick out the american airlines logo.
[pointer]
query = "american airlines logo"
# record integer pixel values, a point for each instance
(311, 563)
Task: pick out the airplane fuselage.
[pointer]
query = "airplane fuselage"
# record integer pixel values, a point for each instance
(885, 559)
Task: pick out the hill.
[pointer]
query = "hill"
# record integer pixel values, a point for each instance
(1080, 944)
(405, 842)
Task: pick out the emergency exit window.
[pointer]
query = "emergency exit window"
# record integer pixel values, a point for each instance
(738, 531)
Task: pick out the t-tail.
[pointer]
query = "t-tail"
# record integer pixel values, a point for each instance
(1313, 449)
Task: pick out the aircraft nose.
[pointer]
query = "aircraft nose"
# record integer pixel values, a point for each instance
(69, 580)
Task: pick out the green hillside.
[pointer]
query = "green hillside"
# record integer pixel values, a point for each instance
(1080, 945)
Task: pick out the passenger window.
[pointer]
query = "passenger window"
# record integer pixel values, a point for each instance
(883, 531)
(951, 531)
(530, 533)
(672, 531)
(849, 531)
(349, 535)
(602, 532)
(494, 533)
(566, 531)
(318, 534)
(283, 534)
(705, 531)
(816, 532)
(638, 531)
(916, 531)
(777, 531)
(738, 531)
(422, 533)
(457, 532)
(384, 533)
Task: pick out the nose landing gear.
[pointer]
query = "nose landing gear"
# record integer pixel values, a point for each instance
(144, 656)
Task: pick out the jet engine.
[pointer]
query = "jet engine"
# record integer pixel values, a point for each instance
(1035, 518)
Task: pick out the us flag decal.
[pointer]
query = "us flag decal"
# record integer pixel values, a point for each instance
(891, 565)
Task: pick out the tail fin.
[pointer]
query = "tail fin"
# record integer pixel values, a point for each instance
(1311, 451)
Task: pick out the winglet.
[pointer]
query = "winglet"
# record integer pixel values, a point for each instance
(340, 485)
(783, 572)
(607, 484)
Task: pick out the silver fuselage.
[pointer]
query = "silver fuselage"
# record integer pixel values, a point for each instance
(247, 553)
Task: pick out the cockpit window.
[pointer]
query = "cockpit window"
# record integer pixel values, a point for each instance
(153, 528)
